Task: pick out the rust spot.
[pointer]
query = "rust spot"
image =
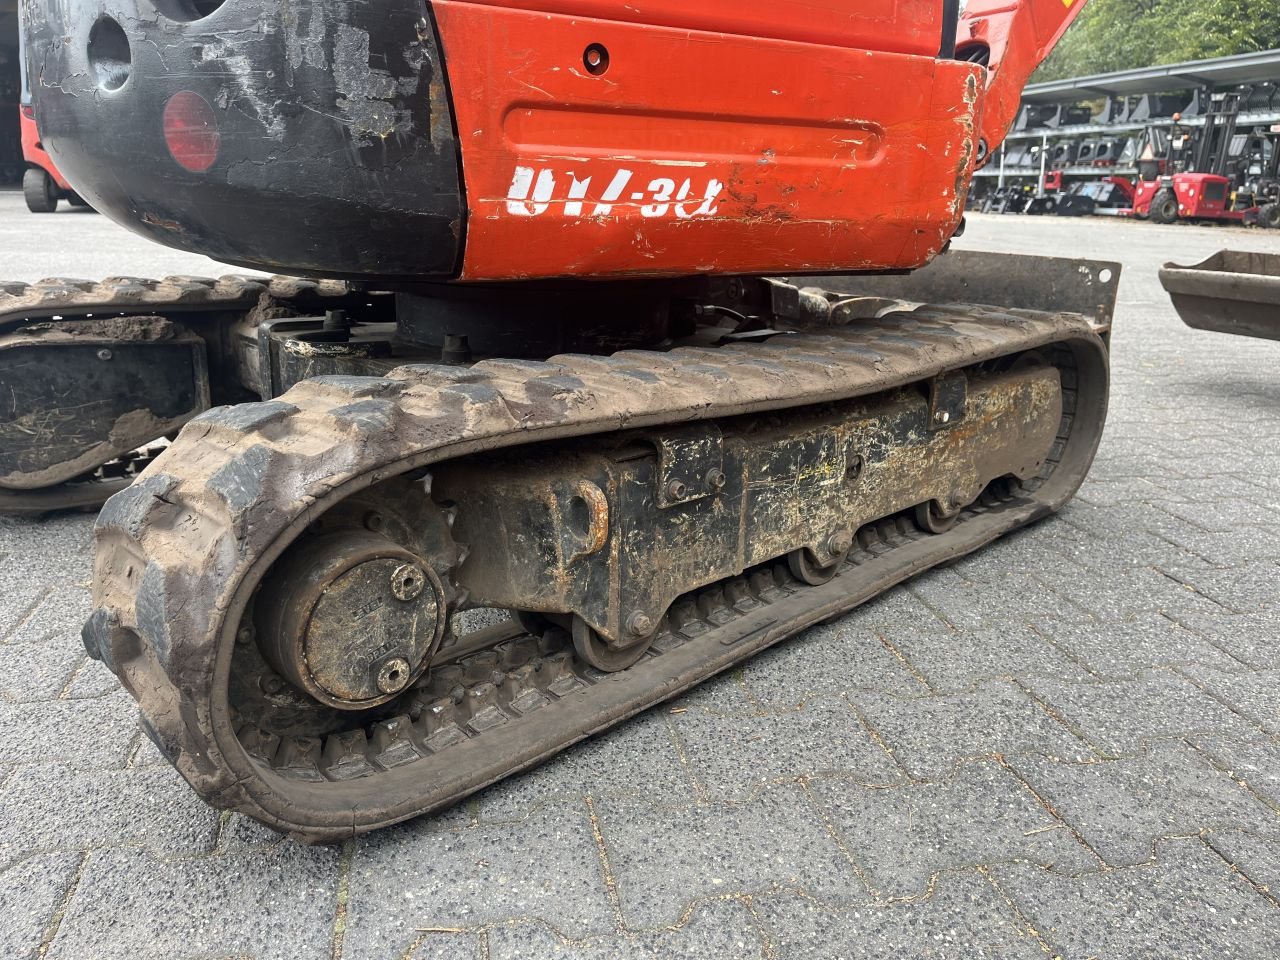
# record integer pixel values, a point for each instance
(151, 220)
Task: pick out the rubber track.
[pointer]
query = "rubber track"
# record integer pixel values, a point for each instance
(66, 297)
(180, 551)
(70, 299)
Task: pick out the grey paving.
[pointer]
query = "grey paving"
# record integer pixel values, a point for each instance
(1256, 858)
(832, 659)
(665, 857)
(1254, 696)
(277, 904)
(421, 876)
(724, 929)
(1256, 763)
(1187, 904)
(32, 891)
(1122, 807)
(1120, 717)
(152, 808)
(964, 918)
(902, 838)
(733, 756)
(930, 735)
(1121, 650)
(1103, 681)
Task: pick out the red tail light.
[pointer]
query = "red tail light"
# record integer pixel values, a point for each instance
(191, 131)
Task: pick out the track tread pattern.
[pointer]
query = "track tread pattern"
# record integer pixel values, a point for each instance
(171, 569)
(64, 296)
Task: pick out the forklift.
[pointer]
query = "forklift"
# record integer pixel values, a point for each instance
(43, 185)
(1213, 173)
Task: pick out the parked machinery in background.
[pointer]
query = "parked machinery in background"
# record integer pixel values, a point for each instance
(1212, 172)
(42, 185)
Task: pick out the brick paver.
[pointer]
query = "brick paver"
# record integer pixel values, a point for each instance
(1064, 746)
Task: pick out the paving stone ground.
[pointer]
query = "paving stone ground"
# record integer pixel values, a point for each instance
(1067, 746)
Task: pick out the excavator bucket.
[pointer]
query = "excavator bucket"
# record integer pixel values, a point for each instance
(1231, 292)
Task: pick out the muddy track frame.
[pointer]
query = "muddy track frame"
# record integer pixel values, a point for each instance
(180, 552)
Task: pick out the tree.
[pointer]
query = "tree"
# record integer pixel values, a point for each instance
(1123, 34)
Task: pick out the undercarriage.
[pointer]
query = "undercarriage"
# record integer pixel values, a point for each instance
(281, 590)
(560, 379)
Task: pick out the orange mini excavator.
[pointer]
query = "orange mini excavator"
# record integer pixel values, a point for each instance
(622, 320)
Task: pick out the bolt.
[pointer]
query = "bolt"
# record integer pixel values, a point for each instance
(104, 354)
(244, 635)
(373, 521)
(839, 543)
(639, 624)
(393, 675)
(716, 479)
(271, 684)
(942, 416)
(676, 490)
(456, 349)
(407, 581)
(596, 59)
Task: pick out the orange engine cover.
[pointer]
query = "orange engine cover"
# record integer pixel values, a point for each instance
(718, 137)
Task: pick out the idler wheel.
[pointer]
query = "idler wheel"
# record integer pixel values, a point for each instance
(806, 567)
(350, 618)
(931, 517)
(592, 648)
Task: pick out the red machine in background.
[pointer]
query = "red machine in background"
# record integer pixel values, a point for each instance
(1198, 179)
(42, 185)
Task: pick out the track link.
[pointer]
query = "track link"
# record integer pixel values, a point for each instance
(72, 299)
(181, 552)
(186, 297)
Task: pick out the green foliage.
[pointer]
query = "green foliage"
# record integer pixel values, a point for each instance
(1123, 34)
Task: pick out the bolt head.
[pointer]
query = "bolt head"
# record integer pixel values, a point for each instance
(393, 675)
(271, 684)
(677, 490)
(104, 354)
(839, 543)
(716, 479)
(407, 581)
(640, 624)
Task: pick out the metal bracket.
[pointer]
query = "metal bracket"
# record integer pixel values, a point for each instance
(948, 397)
(690, 465)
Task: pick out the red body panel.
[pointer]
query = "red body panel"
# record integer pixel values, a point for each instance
(1201, 196)
(898, 26)
(33, 152)
(1143, 194)
(1204, 196)
(699, 152)
(1019, 34)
